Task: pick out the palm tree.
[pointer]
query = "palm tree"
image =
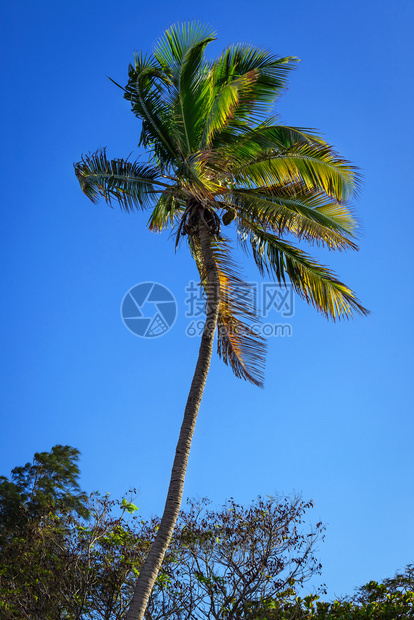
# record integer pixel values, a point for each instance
(216, 158)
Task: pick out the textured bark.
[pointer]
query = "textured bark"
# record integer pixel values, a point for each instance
(152, 565)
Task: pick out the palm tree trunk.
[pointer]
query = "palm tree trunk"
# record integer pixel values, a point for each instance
(152, 565)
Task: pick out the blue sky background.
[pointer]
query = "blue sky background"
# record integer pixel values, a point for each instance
(335, 420)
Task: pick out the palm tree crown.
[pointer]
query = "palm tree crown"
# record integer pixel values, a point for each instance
(215, 152)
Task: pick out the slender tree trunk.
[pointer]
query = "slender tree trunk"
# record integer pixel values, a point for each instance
(152, 565)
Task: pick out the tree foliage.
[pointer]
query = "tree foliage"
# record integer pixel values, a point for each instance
(50, 482)
(224, 562)
(78, 560)
(82, 562)
(374, 601)
(67, 567)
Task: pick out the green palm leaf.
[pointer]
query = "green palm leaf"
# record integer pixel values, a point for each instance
(316, 166)
(176, 43)
(131, 184)
(143, 91)
(166, 212)
(224, 106)
(238, 342)
(250, 144)
(316, 284)
(270, 70)
(193, 94)
(308, 216)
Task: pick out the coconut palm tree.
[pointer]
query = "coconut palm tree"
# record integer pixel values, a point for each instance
(217, 158)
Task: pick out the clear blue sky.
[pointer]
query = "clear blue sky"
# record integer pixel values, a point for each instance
(335, 420)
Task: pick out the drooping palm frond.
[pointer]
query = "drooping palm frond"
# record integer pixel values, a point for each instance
(131, 184)
(239, 343)
(149, 106)
(306, 215)
(318, 167)
(315, 283)
(248, 144)
(166, 212)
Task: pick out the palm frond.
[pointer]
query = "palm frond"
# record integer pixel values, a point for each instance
(130, 184)
(165, 213)
(318, 167)
(224, 105)
(238, 343)
(176, 42)
(142, 62)
(308, 216)
(315, 283)
(193, 95)
(250, 143)
(271, 74)
(144, 91)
